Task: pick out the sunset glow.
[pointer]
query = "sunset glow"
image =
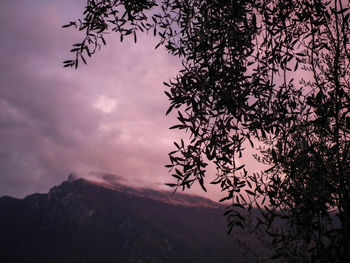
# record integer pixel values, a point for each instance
(108, 116)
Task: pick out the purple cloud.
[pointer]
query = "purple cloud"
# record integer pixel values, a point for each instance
(108, 116)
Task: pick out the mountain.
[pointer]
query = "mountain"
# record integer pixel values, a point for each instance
(84, 221)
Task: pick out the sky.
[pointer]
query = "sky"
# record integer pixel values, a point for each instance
(106, 117)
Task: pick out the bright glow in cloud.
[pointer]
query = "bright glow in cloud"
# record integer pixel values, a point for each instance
(105, 104)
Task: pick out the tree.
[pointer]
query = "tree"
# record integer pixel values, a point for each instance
(272, 74)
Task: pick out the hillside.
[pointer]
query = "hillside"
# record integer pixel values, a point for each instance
(82, 221)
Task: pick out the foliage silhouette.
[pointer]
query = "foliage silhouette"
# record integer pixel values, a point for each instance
(271, 74)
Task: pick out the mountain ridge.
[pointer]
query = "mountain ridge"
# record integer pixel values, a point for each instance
(82, 221)
(110, 181)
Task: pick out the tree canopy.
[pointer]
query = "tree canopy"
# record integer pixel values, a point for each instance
(266, 74)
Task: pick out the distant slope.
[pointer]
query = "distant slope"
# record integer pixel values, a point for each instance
(81, 221)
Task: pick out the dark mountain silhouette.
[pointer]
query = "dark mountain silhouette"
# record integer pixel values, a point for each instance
(82, 221)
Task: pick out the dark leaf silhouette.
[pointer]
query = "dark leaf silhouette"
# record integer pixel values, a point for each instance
(270, 74)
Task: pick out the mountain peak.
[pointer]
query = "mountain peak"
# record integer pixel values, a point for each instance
(110, 182)
(72, 177)
(88, 221)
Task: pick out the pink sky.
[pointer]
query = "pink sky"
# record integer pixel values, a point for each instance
(108, 116)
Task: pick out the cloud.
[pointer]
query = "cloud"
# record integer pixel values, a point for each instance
(108, 116)
(105, 104)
